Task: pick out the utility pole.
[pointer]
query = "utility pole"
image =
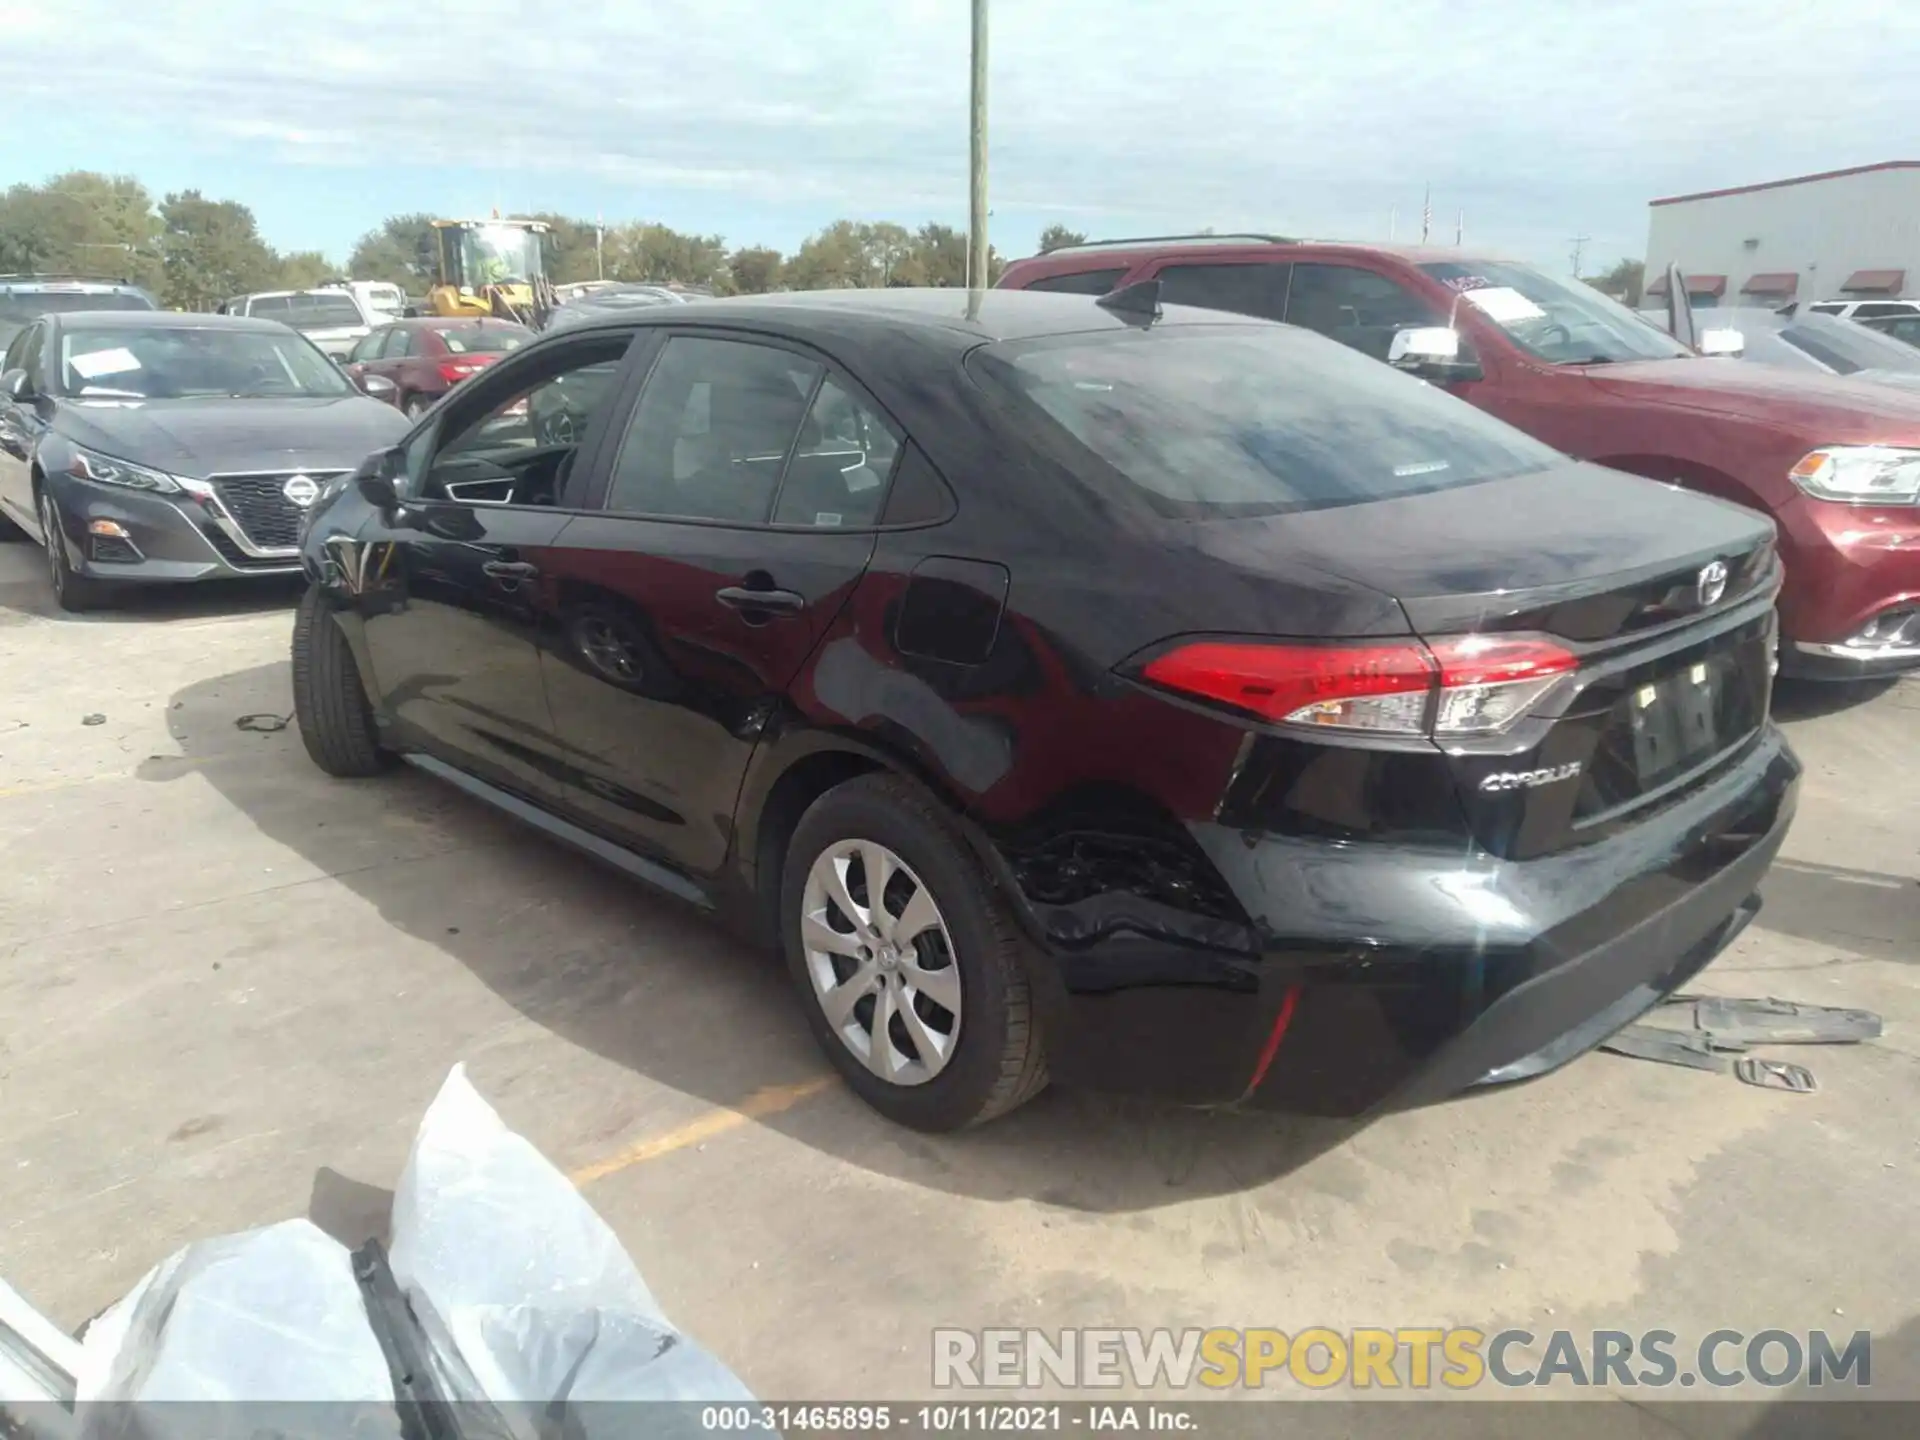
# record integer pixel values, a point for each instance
(599, 247)
(977, 159)
(1579, 243)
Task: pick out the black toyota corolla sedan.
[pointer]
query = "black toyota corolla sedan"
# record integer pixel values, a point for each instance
(148, 446)
(1145, 698)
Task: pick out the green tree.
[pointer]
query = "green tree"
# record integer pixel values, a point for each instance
(754, 269)
(568, 248)
(211, 249)
(1624, 281)
(1055, 236)
(395, 252)
(304, 270)
(650, 253)
(81, 223)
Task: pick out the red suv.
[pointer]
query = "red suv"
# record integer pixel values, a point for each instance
(1835, 462)
(423, 359)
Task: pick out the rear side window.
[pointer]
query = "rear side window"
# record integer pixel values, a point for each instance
(1243, 289)
(399, 344)
(1359, 308)
(1080, 282)
(271, 307)
(1203, 420)
(1827, 308)
(838, 474)
(712, 431)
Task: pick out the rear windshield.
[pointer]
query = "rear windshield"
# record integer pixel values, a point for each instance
(31, 305)
(490, 340)
(1211, 420)
(321, 312)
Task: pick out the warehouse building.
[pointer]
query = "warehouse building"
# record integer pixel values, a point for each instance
(1842, 235)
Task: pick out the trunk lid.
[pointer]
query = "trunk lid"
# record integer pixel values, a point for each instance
(1664, 598)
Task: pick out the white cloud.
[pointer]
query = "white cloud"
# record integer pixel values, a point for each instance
(1541, 118)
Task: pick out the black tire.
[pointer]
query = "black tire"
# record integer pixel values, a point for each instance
(998, 1061)
(329, 700)
(72, 592)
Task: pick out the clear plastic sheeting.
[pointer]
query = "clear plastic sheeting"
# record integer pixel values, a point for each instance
(520, 1297)
(531, 1288)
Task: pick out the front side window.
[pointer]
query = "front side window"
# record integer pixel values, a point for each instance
(1560, 321)
(1362, 309)
(1242, 289)
(1203, 421)
(712, 432)
(181, 362)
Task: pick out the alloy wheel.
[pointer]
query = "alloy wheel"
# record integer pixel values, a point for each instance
(881, 961)
(50, 529)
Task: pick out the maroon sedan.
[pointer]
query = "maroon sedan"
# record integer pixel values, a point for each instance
(423, 359)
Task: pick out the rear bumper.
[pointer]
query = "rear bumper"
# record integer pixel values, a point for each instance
(1847, 566)
(1390, 977)
(155, 538)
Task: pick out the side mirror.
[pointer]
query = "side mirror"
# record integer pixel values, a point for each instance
(375, 479)
(1729, 343)
(378, 387)
(1432, 352)
(14, 382)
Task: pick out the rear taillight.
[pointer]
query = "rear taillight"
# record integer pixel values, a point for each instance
(454, 371)
(1448, 688)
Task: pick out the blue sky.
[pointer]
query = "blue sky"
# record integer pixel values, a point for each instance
(763, 119)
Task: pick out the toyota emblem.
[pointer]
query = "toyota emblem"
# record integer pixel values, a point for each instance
(303, 492)
(1712, 584)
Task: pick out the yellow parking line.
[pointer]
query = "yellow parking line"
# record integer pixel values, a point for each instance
(761, 1103)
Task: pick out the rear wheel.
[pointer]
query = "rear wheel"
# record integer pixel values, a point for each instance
(329, 700)
(907, 960)
(72, 591)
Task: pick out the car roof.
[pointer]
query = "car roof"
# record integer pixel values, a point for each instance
(161, 320)
(69, 284)
(1110, 255)
(959, 318)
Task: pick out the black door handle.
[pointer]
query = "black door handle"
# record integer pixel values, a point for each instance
(735, 597)
(509, 569)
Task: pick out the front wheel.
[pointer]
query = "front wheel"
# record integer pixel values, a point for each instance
(907, 960)
(72, 591)
(329, 700)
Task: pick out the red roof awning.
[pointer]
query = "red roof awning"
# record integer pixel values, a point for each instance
(1876, 282)
(1714, 285)
(1777, 285)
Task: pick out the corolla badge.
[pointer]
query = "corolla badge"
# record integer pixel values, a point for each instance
(1712, 584)
(1528, 779)
(302, 490)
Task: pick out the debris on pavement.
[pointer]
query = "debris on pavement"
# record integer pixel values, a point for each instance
(263, 724)
(1724, 1026)
(93, 719)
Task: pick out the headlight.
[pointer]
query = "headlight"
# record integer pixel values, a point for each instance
(88, 465)
(1860, 474)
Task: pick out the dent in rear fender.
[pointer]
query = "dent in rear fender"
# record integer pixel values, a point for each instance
(1037, 755)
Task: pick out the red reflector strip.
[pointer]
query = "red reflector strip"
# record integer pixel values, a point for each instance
(1272, 1047)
